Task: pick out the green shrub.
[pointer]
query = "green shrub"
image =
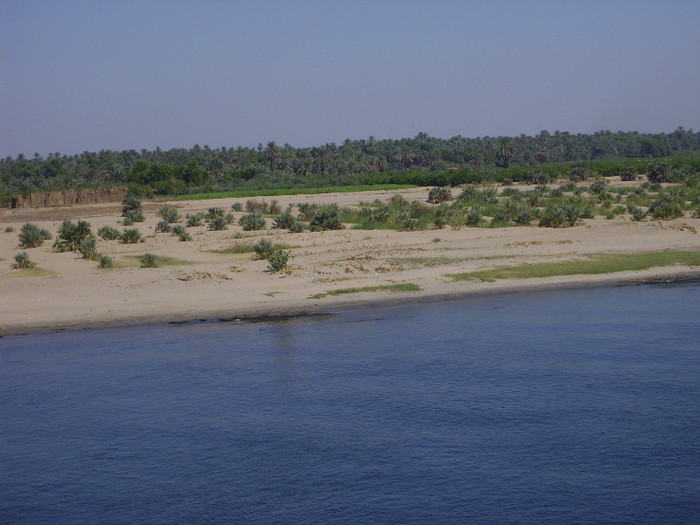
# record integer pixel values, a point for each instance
(327, 219)
(88, 248)
(170, 215)
(538, 177)
(133, 216)
(628, 173)
(263, 249)
(237, 206)
(213, 213)
(657, 172)
(108, 233)
(163, 227)
(130, 204)
(274, 207)
(105, 262)
(22, 261)
(438, 195)
(149, 260)
(130, 236)
(31, 236)
(578, 174)
(277, 261)
(70, 235)
(553, 217)
(474, 217)
(665, 208)
(307, 211)
(253, 206)
(638, 214)
(180, 231)
(252, 221)
(218, 223)
(9, 229)
(286, 221)
(599, 187)
(194, 220)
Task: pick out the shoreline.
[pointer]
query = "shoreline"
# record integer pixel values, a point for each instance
(336, 306)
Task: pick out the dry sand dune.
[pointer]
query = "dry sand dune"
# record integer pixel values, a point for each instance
(74, 293)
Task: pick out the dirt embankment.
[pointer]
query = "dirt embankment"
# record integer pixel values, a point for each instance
(69, 197)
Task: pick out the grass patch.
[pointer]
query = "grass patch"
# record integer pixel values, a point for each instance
(249, 248)
(241, 194)
(596, 264)
(33, 272)
(134, 261)
(399, 287)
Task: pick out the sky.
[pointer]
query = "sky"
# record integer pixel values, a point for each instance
(139, 74)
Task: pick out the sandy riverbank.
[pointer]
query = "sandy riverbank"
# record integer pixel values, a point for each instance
(73, 293)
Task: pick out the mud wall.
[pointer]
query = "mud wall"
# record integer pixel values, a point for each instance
(69, 197)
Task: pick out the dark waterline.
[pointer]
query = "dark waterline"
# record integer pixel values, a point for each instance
(576, 407)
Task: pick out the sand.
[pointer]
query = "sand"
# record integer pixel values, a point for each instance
(73, 293)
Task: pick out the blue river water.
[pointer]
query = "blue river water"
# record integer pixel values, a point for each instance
(561, 407)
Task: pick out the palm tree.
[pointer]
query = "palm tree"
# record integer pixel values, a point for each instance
(271, 154)
(504, 150)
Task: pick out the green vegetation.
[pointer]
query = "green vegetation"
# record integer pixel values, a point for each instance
(130, 236)
(22, 261)
(105, 262)
(277, 261)
(31, 236)
(252, 221)
(108, 233)
(327, 218)
(9, 229)
(88, 248)
(195, 219)
(70, 236)
(169, 215)
(163, 227)
(592, 265)
(149, 260)
(398, 287)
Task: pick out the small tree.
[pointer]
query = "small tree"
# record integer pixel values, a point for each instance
(70, 235)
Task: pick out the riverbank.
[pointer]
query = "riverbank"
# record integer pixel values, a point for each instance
(213, 276)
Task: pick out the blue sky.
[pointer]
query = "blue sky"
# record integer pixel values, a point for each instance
(86, 76)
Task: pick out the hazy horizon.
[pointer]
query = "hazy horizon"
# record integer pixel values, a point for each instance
(109, 75)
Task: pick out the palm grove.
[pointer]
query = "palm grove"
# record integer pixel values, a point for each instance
(421, 160)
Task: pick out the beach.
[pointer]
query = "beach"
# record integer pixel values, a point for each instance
(205, 279)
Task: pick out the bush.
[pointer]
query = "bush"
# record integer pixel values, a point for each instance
(538, 177)
(277, 261)
(553, 217)
(638, 214)
(218, 223)
(163, 227)
(194, 220)
(130, 204)
(474, 217)
(88, 248)
(170, 215)
(213, 213)
(263, 249)
(578, 174)
(438, 195)
(252, 221)
(31, 236)
(274, 207)
(70, 235)
(130, 236)
(286, 221)
(307, 211)
(108, 233)
(657, 172)
(237, 206)
(180, 231)
(149, 260)
(9, 229)
(22, 261)
(133, 216)
(327, 219)
(628, 173)
(253, 206)
(665, 208)
(105, 262)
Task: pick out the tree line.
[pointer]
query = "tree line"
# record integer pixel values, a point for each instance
(420, 160)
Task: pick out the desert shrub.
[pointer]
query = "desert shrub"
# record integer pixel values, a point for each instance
(130, 203)
(274, 207)
(180, 231)
(213, 213)
(130, 236)
(572, 212)
(406, 221)
(252, 221)
(638, 214)
(105, 262)
(9, 229)
(588, 212)
(599, 187)
(657, 172)
(263, 249)
(237, 206)
(307, 211)
(163, 227)
(254, 205)
(22, 261)
(474, 217)
(70, 235)
(218, 223)
(108, 233)
(277, 261)
(133, 216)
(524, 217)
(438, 195)
(569, 186)
(538, 177)
(194, 220)
(665, 208)
(286, 221)
(628, 173)
(88, 248)
(31, 236)
(578, 174)
(553, 217)
(149, 260)
(229, 218)
(507, 182)
(169, 215)
(327, 219)
(556, 192)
